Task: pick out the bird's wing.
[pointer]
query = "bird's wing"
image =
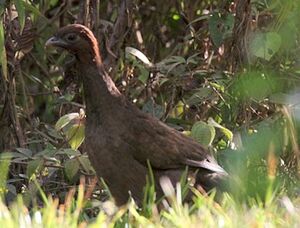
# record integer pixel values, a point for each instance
(166, 148)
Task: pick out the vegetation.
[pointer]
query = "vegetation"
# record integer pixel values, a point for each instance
(223, 72)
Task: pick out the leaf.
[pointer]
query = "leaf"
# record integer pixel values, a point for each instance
(33, 166)
(225, 131)
(4, 168)
(203, 133)
(192, 59)
(220, 27)
(10, 155)
(137, 53)
(24, 151)
(199, 96)
(153, 109)
(66, 119)
(3, 58)
(86, 164)
(71, 168)
(75, 135)
(69, 152)
(265, 45)
(178, 109)
(144, 74)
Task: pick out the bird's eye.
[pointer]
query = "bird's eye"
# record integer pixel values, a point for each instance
(71, 37)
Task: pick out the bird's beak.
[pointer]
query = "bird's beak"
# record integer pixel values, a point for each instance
(54, 42)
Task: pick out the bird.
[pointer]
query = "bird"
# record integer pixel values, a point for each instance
(121, 140)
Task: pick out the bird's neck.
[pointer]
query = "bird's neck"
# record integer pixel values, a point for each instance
(100, 93)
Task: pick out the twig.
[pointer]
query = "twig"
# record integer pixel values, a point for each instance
(120, 29)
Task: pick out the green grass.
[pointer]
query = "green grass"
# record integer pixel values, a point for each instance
(279, 211)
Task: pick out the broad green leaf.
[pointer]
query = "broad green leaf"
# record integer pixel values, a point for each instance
(203, 133)
(71, 168)
(3, 59)
(64, 120)
(225, 131)
(265, 45)
(75, 135)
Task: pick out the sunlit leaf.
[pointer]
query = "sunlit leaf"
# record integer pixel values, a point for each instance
(4, 168)
(75, 135)
(203, 133)
(137, 53)
(64, 120)
(225, 131)
(176, 17)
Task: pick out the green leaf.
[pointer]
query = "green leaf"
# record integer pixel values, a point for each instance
(265, 45)
(4, 168)
(144, 74)
(220, 27)
(225, 131)
(33, 166)
(9, 155)
(69, 152)
(25, 152)
(203, 133)
(3, 59)
(176, 17)
(71, 168)
(199, 96)
(75, 135)
(86, 164)
(65, 120)
(153, 109)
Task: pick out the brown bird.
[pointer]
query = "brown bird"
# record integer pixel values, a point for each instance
(120, 138)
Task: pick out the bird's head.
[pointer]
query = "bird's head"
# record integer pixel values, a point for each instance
(78, 40)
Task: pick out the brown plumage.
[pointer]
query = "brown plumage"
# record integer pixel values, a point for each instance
(120, 138)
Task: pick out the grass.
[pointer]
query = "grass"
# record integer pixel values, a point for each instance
(279, 211)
